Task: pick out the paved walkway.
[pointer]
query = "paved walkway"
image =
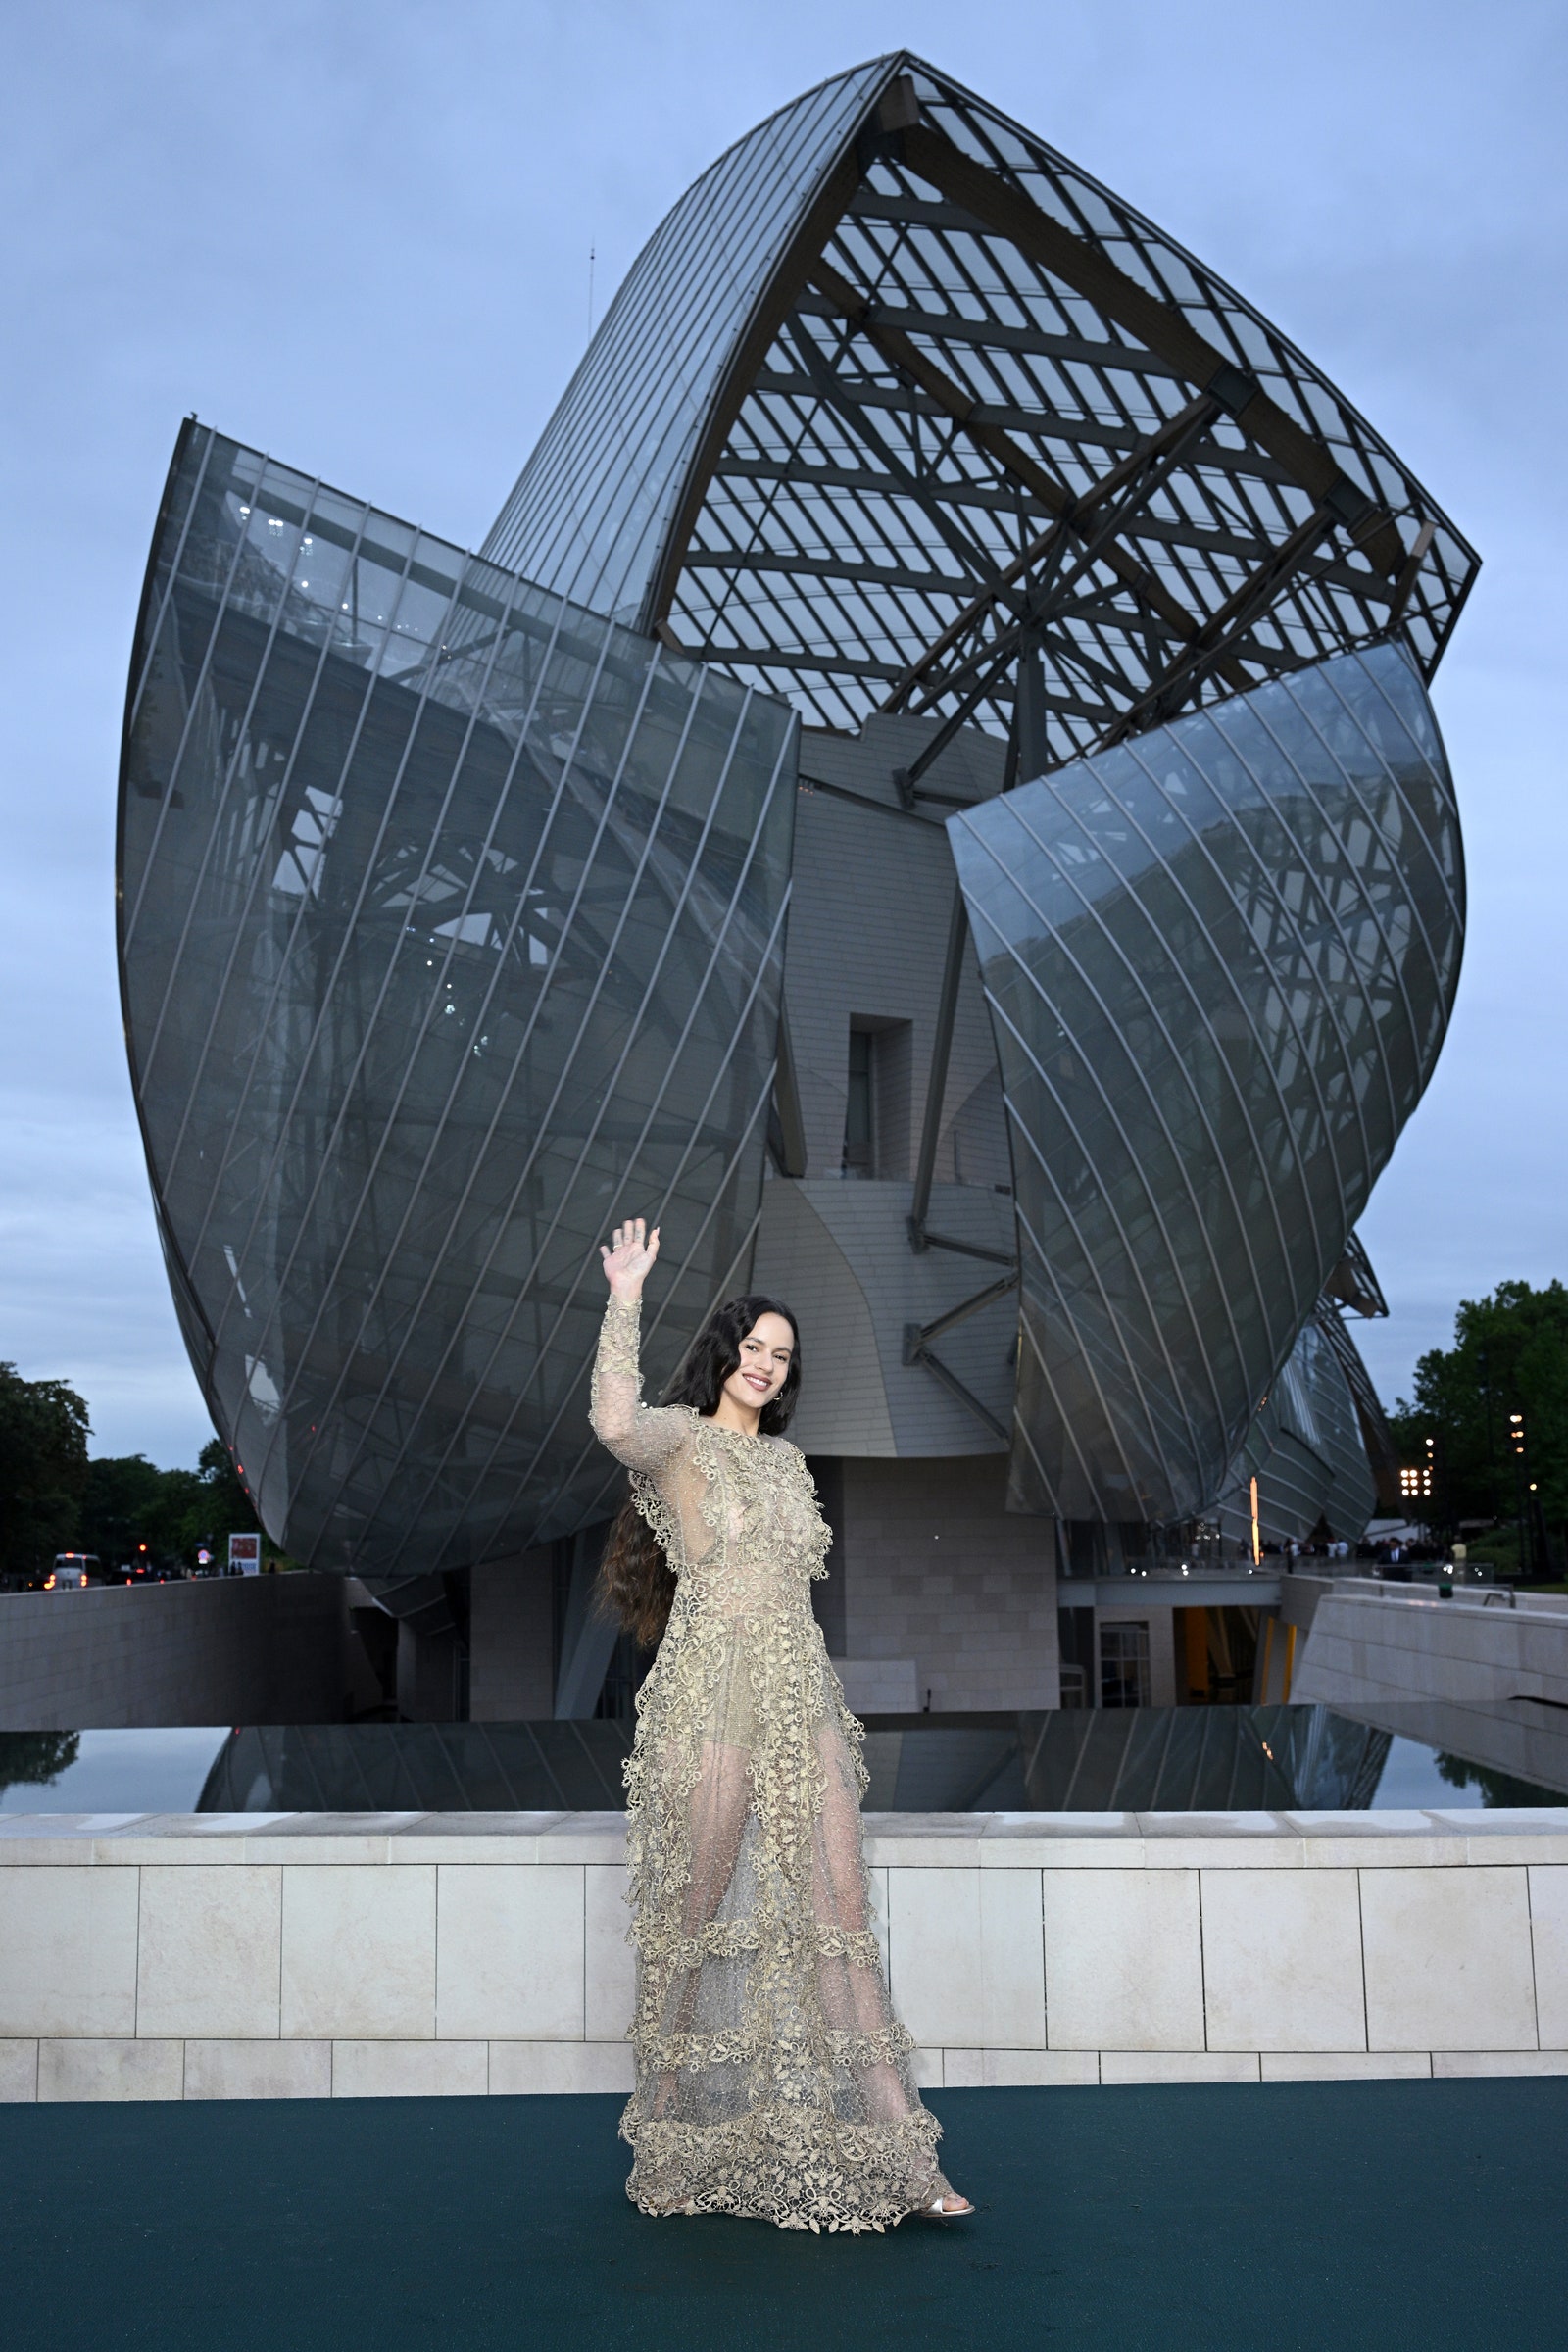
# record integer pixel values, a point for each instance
(1282, 2218)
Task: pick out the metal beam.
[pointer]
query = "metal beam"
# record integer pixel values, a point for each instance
(966, 413)
(990, 1257)
(916, 1336)
(1404, 585)
(1005, 210)
(975, 610)
(863, 799)
(1172, 435)
(1218, 634)
(1126, 490)
(955, 1387)
(840, 399)
(816, 224)
(793, 658)
(950, 327)
(953, 399)
(863, 571)
(786, 1123)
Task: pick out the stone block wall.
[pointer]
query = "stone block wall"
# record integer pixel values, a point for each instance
(1467, 1674)
(417, 1955)
(938, 1571)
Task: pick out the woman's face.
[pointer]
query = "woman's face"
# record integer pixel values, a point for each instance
(766, 1354)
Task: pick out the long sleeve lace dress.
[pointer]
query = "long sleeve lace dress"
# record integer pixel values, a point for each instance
(772, 2078)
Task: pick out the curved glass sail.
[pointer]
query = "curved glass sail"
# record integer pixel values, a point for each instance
(451, 925)
(590, 511)
(1306, 1451)
(1220, 960)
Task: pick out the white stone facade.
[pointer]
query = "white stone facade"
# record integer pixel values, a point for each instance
(313, 1957)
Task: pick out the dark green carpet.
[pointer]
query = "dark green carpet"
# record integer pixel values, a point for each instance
(1379, 2215)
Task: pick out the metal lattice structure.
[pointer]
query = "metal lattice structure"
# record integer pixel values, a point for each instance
(962, 433)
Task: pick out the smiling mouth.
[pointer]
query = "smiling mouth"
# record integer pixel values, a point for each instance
(754, 1381)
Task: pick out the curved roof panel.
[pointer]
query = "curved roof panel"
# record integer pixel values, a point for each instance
(900, 409)
(1220, 963)
(592, 508)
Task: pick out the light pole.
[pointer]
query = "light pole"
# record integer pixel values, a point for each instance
(1516, 1440)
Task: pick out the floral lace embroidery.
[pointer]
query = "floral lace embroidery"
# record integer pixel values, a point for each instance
(772, 2076)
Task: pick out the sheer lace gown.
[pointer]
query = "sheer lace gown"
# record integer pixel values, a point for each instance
(772, 2076)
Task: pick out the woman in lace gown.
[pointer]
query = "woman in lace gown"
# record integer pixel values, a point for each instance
(772, 2076)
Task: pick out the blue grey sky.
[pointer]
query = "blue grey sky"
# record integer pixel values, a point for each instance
(356, 232)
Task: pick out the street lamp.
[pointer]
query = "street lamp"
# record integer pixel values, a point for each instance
(1516, 1441)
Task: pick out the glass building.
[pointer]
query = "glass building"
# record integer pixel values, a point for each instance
(929, 790)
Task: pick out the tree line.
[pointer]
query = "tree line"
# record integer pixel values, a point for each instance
(54, 1497)
(1490, 1417)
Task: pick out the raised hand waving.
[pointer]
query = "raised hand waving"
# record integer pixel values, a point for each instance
(629, 1259)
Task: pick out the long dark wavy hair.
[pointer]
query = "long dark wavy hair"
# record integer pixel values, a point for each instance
(636, 1584)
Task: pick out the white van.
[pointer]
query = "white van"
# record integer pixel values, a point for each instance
(72, 1570)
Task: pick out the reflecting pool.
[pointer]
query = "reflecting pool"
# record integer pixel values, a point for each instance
(1143, 1759)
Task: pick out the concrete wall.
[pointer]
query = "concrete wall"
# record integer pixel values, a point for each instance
(211, 1957)
(228, 1650)
(1478, 1677)
(837, 1251)
(937, 1571)
(870, 901)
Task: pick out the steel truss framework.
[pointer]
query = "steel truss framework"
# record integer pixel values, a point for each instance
(983, 444)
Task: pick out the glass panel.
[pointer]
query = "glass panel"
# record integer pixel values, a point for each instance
(589, 512)
(453, 932)
(1219, 960)
(1307, 1453)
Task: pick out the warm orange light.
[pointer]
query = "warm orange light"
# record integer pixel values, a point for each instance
(1257, 1546)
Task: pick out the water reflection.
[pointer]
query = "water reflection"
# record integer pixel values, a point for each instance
(1145, 1759)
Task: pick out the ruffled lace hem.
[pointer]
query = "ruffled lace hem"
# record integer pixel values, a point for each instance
(798, 2170)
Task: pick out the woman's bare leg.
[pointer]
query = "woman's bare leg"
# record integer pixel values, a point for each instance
(854, 1997)
(720, 1804)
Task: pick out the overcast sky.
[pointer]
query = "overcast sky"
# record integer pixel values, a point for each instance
(356, 232)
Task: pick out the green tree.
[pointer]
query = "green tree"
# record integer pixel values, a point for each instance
(43, 1470)
(1497, 1787)
(36, 1758)
(217, 1506)
(130, 1502)
(127, 1505)
(1509, 1356)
